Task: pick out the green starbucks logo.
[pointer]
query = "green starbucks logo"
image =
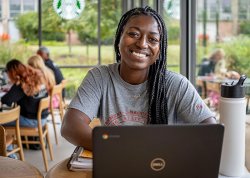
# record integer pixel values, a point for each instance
(68, 9)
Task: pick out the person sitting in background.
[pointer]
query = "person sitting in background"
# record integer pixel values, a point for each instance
(214, 64)
(137, 90)
(37, 63)
(3, 77)
(28, 88)
(44, 53)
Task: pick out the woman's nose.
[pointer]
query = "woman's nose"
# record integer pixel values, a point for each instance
(142, 42)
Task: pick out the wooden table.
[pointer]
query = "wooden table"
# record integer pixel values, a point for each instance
(201, 80)
(12, 168)
(60, 171)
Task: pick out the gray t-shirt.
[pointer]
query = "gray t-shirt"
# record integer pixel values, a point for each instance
(105, 95)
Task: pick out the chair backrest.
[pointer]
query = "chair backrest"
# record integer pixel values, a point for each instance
(56, 92)
(2, 141)
(64, 83)
(10, 115)
(57, 89)
(201, 84)
(213, 86)
(43, 104)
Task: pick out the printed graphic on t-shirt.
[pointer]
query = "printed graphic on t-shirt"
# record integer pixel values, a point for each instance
(130, 116)
(199, 106)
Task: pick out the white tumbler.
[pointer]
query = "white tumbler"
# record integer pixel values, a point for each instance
(232, 110)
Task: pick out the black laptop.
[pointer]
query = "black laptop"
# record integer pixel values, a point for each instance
(162, 151)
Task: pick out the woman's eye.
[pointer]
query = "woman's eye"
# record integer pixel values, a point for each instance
(153, 40)
(133, 34)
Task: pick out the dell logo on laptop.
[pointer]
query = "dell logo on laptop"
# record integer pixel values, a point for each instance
(157, 164)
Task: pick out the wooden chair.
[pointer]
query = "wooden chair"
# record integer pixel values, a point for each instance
(202, 85)
(64, 83)
(213, 86)
(2, 141)
(56, 92)
(40, 131)
(6, 139)
(213, 94)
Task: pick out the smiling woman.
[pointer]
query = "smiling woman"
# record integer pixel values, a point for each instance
(137, 90)
(139, 48)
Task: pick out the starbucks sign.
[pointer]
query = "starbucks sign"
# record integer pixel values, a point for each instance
(69, 9)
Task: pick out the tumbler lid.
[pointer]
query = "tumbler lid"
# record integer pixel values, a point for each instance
(233, 89)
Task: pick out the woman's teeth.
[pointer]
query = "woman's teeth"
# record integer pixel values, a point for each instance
(139, 54)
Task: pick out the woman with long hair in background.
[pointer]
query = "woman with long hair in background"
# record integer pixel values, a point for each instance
(38, 63)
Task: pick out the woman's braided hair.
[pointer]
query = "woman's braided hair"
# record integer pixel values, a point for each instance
(158, 110)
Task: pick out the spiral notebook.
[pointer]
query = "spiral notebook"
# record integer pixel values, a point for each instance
(169, 151)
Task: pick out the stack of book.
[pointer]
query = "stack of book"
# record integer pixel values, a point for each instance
(80, 160)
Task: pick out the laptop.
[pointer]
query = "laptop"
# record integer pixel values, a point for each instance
(162, 151)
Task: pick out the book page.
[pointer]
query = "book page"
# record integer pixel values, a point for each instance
(86, 154)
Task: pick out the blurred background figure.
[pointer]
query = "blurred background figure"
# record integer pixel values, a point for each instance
(214, 64)
(3, 77)
(44, 53)
(28, 88)
(37, 62)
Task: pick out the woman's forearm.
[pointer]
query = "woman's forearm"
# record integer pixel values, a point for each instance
(75, 128)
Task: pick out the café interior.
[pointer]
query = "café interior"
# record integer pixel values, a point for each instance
(201, 34)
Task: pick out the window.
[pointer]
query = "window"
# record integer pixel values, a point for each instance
(212, 9)
(226, 7)
(0, 9)
(28, 5)
(15, 8)
(110, 16)
(230, 34)
(171, 16)
(244, 10)
(136, 3)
